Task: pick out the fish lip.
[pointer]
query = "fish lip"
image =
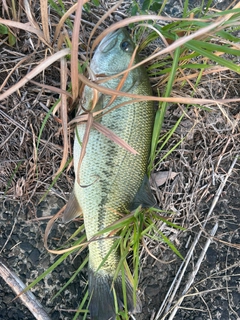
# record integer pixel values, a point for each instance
(104, 45)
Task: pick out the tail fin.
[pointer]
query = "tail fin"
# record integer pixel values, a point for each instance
(102, 306)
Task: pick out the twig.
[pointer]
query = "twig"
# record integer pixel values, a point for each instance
(194, 272)
(27, 298)
(178, 278)
(200, 259)
(9, 236)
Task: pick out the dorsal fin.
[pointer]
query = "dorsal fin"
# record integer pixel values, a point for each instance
(73, 208)
(144, 196)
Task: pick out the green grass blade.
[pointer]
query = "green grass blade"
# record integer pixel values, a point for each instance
(60, 10)
(124, 289)
(185, 9)
(215, 47)
(82, 265)
(162, 110)
(49, 270)
(208, 5)
(112, 248)
(12, 176)
(170, 244)
(44, 122)
(80, 308)
(55, 180)
(228, 36)
(213, 57)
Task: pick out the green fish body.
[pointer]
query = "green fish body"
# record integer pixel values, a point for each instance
(110, 176)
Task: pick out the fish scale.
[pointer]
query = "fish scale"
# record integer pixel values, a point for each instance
(109, 175)
(114, 189)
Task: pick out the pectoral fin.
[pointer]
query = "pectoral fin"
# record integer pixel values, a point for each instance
(73, 208)
(144, 196)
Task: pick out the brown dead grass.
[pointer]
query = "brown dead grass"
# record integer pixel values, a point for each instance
(26, 172)
(212, 138)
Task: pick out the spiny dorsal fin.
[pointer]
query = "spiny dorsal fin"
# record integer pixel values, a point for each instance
(73, 208)
(144, 196)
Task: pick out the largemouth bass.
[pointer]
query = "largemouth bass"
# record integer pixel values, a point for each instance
(110, 177)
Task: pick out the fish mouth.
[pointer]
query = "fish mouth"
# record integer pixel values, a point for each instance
(109, 41)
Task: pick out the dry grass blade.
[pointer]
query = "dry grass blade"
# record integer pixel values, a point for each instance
(200, 259)
(105, 131)
(68, 249)
(17, 124)
(42, 66)
(153, 256)
(50, 224)
(107, 14)
(127, 21)
(123, 79)
(27, 107)
(189, 100)
(22, 26)
(5, 7)
(84, 143)
(229, 15)
(64, 114)
(63, 19)
(13, 70)
(48, 229)
(74, 50)
(112, 136)
(101, 114)
(27, 298)
(193, 273)
(229, 244)
(52, 88)
(179, 42)
(44, 18)
(29, 15)
(213, 70)
(180, 274)
(95, 92)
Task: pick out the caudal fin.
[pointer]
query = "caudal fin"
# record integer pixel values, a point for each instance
(102, 306)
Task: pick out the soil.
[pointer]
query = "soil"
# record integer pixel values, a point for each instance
(215, 293)
(201, 162)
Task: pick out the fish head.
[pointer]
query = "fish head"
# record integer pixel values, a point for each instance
(113, 54)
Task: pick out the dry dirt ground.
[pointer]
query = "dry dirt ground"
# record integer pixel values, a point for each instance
(201, 161)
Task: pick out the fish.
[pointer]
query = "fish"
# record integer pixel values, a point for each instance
(110, 179)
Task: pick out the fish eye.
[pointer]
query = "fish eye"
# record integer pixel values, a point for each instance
(125, 45)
